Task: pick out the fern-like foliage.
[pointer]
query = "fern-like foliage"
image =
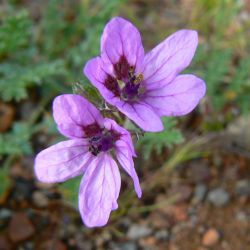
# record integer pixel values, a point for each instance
(240, 85)
(167, 138)
(16, 142)
(214, 67)
(16, 79)
(15, 33)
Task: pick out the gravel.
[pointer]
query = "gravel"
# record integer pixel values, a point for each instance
(162, 235)
(124, 246)
(199, 193)
(139, 231)
(218, 197)
(40, 199)
(243, 188)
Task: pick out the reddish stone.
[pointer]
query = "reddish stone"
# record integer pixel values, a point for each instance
(210, 238)
(20, 227)
(4, 243)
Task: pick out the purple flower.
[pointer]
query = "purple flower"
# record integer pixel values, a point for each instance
(92, 139)
(146, 87)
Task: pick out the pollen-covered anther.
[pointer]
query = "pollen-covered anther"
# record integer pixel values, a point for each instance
(154, 83)
(138, 79)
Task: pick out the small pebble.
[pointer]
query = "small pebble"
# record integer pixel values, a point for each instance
(242, 216)
(243, 188)
(125, 246)
(40, 199)
(138, 231)
(211, 237)
(20, 227)
(218, 197)
(162, 235)
(5, 214)
(199, 193)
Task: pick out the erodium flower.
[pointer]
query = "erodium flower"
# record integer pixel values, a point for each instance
(92, 141)
(146, 86)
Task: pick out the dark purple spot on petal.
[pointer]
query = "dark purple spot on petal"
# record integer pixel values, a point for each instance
(92, 130)
(122, 68)
(103, 142)
(112, 85)
(125, 84)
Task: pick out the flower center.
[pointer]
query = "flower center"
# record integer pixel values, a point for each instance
(103, 141)
(125, 84)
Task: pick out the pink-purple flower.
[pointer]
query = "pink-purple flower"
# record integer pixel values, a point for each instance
(92, 142)
(146, 86)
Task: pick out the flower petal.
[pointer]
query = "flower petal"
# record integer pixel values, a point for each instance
(97, 72)
(99, 191)
(125, 136)
(73, 112)
(62, 161)
(143, 115)
(120, 37)
(179, 97)
(125, 159)
(163, 63)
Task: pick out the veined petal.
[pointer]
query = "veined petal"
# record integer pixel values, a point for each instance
(179, 97)
(97, 72)
(72, 113)
(99, 191)
(125, 159)
(121, 38)
(125, 136)
(163, 63)
(143, 115)
(62, 161)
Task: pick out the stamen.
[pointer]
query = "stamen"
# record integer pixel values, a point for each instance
(121, 84)
(138, 79)
(124, 84)
(102, 142)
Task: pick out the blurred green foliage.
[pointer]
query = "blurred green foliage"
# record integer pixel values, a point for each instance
(46, 55)
(17, 141)
(223, 57)
(156, 141)
(43, 50)
(70, 190)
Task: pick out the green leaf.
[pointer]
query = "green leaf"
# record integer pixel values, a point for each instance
(17, 141)
(89, 92)
(70, 190)
(169, 137)
(241, 77)
(15, 33)
(16, 78)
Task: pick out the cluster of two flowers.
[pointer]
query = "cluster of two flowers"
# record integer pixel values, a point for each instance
(144, 88)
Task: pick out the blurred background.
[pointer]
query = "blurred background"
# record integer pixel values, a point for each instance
(195, 175)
